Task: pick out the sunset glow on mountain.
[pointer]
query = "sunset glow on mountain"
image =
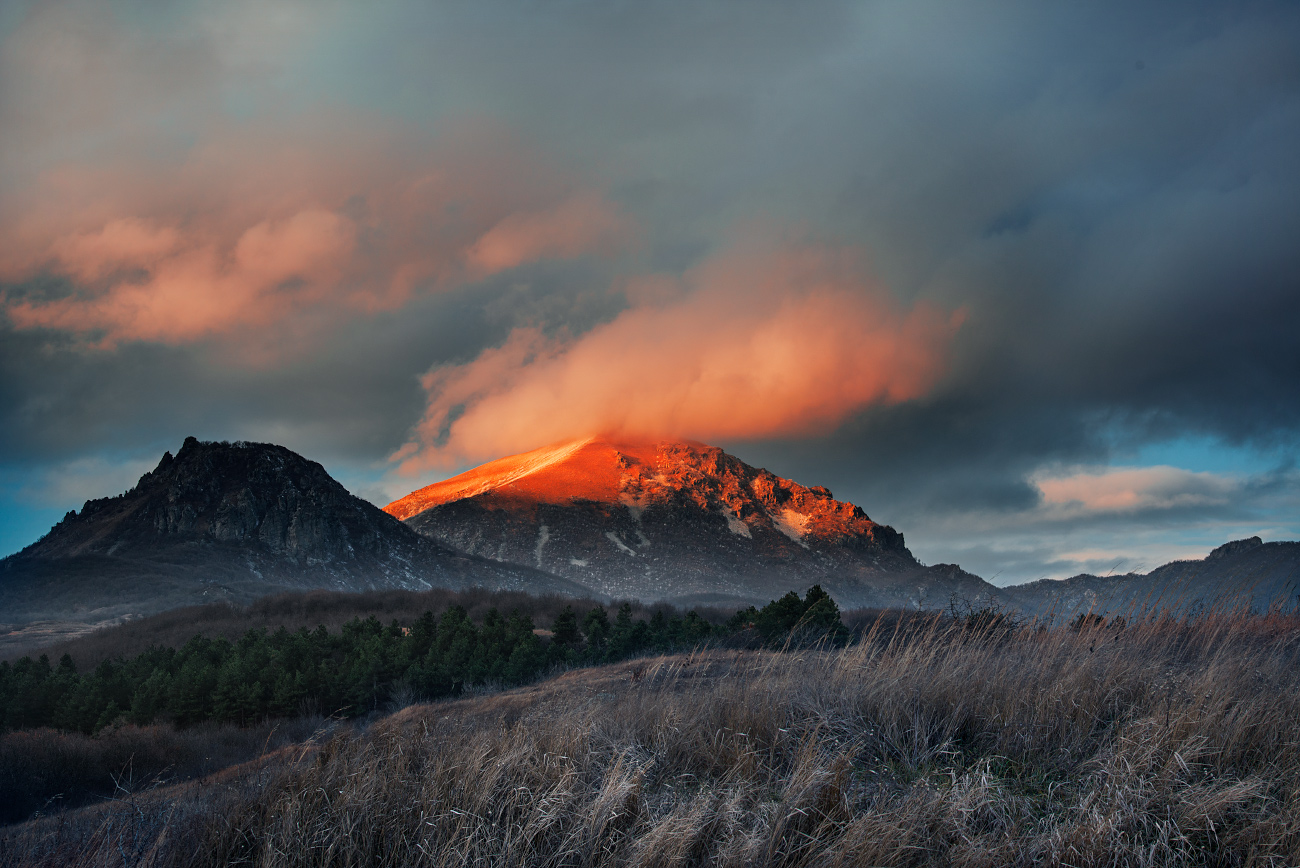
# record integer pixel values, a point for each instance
(611, 433)
(1020, 280)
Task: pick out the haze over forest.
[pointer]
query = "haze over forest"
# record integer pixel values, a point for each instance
(1019, 282)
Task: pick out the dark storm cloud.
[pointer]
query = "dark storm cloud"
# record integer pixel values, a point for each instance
(1107, 190)
(1122, 232)
(353, 395)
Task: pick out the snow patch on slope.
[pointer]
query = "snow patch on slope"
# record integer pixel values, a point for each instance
(530, 463)
(736, 524)
(613, 537)
(792, 523)
(543, 534)
(495, 474)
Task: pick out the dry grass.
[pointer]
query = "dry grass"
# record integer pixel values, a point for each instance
(1165, 743)
(47, 771)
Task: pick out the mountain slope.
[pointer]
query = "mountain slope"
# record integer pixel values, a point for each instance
(679, 521)
(1247, 572)
(231, 521)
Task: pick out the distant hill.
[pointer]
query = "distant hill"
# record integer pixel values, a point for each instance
(677, 521)
(232, 521)
(1246, 572)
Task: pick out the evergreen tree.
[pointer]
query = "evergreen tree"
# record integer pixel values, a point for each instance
(354, 671)
(595, 625)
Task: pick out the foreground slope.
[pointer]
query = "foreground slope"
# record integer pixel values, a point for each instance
(1169, 744)
(677, 520)
(231, 521)
(1246, 572)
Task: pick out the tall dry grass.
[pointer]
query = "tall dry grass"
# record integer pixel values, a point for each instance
(1165, 743)
(46, 771)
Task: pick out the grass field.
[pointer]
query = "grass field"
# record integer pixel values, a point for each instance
(927, 743)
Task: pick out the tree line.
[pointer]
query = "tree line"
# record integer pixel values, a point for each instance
(367, 665)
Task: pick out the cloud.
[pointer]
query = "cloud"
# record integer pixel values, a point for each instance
(1109, 520)
(262, 228)
(578, 225)
(181, 185)
(178, 290)
(1130, 489)
(760, 341)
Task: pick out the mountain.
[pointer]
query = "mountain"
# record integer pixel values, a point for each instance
(1246, 572)
(679, 521)
(231, 521)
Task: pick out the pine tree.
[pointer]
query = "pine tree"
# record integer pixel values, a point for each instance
(565, 632)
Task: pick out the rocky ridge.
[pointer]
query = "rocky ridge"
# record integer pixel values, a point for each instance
(232, 521)
(1246, 573)
(677, 520)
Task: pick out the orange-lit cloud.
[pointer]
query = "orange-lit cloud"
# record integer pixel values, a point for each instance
(757, 342)
(259, 229)
(1128, 489)
(577, 225)
(181, 289)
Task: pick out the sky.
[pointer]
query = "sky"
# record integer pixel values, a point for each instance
(1021, 279)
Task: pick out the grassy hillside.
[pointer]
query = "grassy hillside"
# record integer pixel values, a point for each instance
(1162, 743)
(65, 731)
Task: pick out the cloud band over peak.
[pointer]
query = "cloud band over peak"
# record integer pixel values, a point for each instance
(759, 341)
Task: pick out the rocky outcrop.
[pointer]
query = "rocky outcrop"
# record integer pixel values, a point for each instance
(679, 521)
(253, 495)
(233, 521)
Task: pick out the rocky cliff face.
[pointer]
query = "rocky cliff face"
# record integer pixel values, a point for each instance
(258, 496)
(232, 521)
(680, 521)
